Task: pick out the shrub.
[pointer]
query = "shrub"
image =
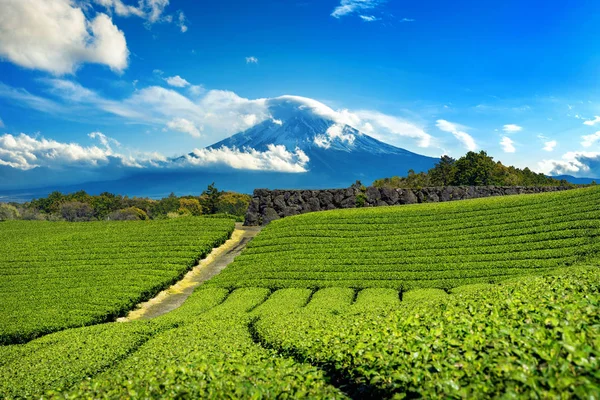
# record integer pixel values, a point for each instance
(128, 214)
(190, 206)
(8, 212)
(76, 211)
(33, 215)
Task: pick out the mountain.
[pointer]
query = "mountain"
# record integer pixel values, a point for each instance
(338, 153)
(303, 144)
(575, 180)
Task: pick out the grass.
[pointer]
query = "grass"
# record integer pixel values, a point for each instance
(442, 245)
(57, 275)
(516, 315)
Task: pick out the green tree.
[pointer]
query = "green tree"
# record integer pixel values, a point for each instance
(50, 204)
(105, 203)
(165, 206)
(443, 172)
(234, 204)
(475, 169)
(210, 199)
(190, 207)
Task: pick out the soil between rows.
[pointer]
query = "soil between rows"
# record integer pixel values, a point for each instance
(218, 259)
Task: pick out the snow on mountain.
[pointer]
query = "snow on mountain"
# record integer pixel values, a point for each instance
(299, 144)
(336, 151)
(306, 124)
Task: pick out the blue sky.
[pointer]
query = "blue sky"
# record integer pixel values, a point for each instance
(158, 78)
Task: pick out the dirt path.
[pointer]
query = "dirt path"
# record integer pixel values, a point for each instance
(215, 262)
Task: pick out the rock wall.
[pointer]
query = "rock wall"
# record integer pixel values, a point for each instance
(268, 205)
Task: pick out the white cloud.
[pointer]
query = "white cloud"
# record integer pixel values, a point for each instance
(459, 133)
(348, 7)
(104, 140)
(507, 145)
(56, 36)
(1, 123)
(80, 97)
(369, 18)
(185, 126)
(150, 10)
(251, 60)
(181, 22)
(27, 152)
(590, 140)
(196, 90)
(71, 90)
(250, 119)
(593, 122)
(512, 128)
(574, 163)
(333, 133)
(407, 20)
(387, 128)
(177, 81)
(216, 113)
(24, 98)
(549, 146)
(275, 158)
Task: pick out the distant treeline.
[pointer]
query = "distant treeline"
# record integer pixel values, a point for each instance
(80, 206)
(473, 169)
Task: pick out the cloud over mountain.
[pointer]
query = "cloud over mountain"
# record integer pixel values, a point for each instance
(576, 163)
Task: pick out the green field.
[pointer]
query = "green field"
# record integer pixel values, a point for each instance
(440, 245)
(57, 275)
(476, 299)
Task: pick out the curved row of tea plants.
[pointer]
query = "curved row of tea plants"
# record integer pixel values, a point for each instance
(535, 337)
(202, 350)
(59, 275)
(427, 245)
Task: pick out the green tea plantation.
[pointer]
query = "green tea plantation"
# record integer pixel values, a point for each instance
(57, 275)
(489, 298)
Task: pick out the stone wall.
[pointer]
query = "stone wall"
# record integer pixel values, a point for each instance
(268, 205)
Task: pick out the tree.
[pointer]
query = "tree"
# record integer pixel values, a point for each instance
(50, 204)
(105, 203)
(165, 206)
(474, 169)
(210, 199)
(190, 206)
(443, 172)
(76, 211)
(234, 204)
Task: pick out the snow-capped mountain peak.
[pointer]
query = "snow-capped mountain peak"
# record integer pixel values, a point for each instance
(334, 149)
(308, 125)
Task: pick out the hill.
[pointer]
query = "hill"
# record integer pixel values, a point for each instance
(441, 245)
(473, 299)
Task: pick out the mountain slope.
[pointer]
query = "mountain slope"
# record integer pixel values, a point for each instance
(317, 148)
(337, 152)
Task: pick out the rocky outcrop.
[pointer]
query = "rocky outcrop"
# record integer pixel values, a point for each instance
(268, 205)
